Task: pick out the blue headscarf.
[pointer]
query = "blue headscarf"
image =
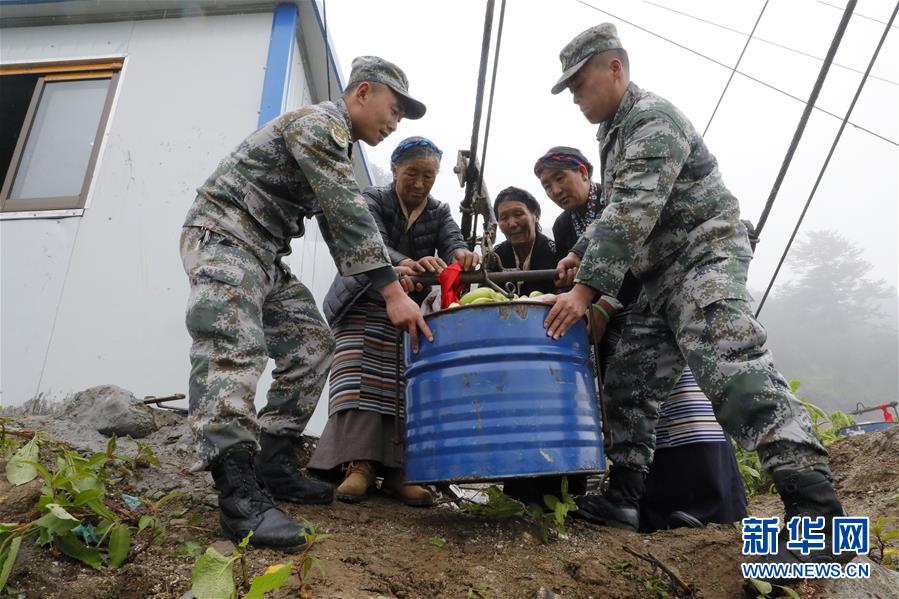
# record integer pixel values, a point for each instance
(414, 147)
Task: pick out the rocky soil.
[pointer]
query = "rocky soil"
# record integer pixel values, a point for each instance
(383, 548)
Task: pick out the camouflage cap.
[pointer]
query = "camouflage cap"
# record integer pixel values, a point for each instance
(378, 70)
(578, 51)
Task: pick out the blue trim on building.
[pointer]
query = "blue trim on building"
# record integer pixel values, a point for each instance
(277, 67)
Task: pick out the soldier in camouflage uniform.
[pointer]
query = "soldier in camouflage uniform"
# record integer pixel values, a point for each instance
(670, 219)
(246, 307)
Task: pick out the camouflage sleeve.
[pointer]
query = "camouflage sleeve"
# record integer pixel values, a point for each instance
(654, 152)
(350, 232)
(580, 248)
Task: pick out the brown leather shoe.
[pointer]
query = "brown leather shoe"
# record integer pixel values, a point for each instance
(414, 495)
(359, 478)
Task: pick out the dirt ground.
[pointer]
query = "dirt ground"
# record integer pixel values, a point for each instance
(383, 548)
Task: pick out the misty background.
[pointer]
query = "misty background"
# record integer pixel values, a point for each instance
(832, 314)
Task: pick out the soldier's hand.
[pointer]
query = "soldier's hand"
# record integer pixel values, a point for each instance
(466, 259)
(404, 273)
(568, 309)
(432, 264)
(405, 314)
(566, 270)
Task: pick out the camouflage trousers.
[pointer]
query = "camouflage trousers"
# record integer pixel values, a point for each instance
(241, 313)
(725, 347)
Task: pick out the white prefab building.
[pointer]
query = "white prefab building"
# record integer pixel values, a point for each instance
(114, 112)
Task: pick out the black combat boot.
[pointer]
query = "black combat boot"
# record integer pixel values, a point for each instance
(807, 493)
(619, 506)
(279, 471)
(245, 505)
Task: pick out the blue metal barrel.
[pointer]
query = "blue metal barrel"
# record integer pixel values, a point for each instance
(493, 397)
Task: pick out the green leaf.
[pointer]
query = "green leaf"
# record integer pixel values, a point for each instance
(275, 577)
(57, 519)
(168, 498)
(97, 507)
(110, 446)
(190, 548)
(793, 594)
(87, 496)
(760, 585)
(551, 501)
(119, 544)
(893, 534)
(18, 472)
(8, 560)
(245, 541)
(212, 576)
(75, 548)
(499, 505)
(144, 522)
(437, 541)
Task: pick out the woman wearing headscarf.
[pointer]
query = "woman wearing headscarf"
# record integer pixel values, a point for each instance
(360, 436)
(526, 247)
(694, 478)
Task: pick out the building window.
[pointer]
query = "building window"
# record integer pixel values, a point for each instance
(51, 138)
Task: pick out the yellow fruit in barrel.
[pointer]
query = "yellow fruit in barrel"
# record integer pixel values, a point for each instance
(480, 292)
(535, 294)
(482, 300)
(454, 305)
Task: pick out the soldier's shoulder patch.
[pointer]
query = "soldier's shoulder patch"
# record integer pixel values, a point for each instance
(339, 134)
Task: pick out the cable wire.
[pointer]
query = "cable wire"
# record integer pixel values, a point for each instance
(856, 14)
(750, 77)
(499, 40)
(833, 146)
(733, 71)
(803, 120)
(769, 42)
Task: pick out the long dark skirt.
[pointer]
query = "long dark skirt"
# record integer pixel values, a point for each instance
(701, 479)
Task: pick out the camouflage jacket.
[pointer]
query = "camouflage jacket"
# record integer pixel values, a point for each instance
(668, 216)
(296, 166)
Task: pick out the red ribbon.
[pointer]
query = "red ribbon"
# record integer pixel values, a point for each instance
(450, 284)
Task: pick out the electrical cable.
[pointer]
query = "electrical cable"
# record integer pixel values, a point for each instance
(765, 41)
(718, 62)
(733, 71)
(833, 146)
(806, 113)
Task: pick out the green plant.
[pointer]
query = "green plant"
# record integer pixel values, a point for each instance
(152, 522)
(884, 532)
(763, 589)
(309, 559)
(478, 591)
(500, 505)
(75, 516)
(824, 425)
(212, 576)
(756, 480)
